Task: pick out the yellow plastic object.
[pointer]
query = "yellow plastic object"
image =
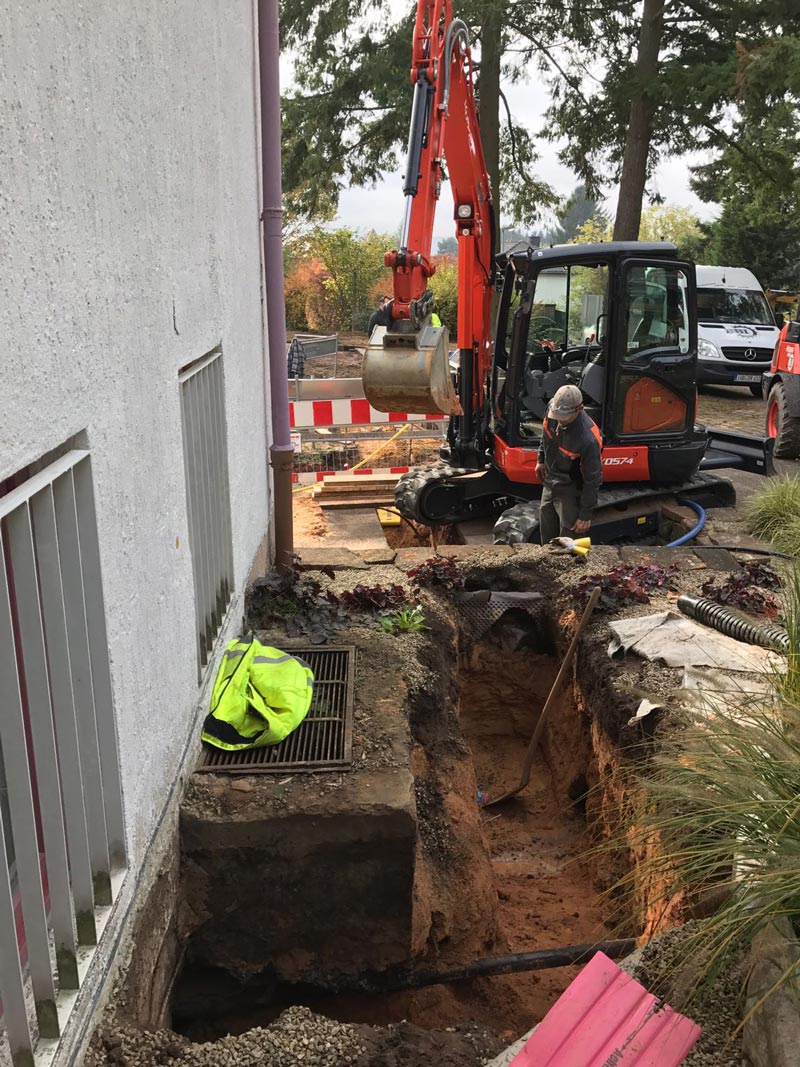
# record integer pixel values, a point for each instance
(388, 518)
(409, 372)
(578, 546)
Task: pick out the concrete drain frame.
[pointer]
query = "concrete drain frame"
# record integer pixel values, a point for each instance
(324, 739)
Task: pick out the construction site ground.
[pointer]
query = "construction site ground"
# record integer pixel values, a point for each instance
(293, 899)
(287, 882)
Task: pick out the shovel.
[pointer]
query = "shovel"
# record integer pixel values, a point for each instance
(537, 733)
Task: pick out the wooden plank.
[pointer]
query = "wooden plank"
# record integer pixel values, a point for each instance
(341, 480)
(372, 501)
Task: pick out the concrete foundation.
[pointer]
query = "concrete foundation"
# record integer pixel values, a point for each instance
(321, 885)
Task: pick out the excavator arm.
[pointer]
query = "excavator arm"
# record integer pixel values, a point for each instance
(407, 364)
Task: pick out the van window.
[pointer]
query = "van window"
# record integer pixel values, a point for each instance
(734, 305)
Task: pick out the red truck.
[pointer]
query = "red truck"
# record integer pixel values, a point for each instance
(781, 386)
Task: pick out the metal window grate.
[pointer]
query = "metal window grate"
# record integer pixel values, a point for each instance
(205, 454)
(324, 739)
(63, 800)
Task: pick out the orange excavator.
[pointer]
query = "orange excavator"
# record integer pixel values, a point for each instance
(619, 320)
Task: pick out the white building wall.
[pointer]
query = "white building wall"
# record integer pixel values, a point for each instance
(130, 246)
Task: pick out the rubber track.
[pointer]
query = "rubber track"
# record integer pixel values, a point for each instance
(409, 490)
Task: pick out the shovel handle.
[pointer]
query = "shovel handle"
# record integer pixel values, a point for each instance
(530, 755)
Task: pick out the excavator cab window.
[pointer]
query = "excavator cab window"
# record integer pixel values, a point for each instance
(655, 389)
(566, 341)
(656, 311)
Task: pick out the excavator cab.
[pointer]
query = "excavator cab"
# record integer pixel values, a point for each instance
(619, 321)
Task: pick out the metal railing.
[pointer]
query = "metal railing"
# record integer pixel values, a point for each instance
(205, 453)
(63, 809)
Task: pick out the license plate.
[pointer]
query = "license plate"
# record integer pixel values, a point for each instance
(747, 378)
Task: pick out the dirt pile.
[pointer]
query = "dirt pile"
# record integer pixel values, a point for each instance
(298, 1038)
(309, 522)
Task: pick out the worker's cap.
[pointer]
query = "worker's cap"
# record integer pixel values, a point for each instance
(567, 402)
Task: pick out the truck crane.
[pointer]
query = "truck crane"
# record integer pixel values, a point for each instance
(617, 319)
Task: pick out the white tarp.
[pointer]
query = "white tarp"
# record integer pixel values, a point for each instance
(677, 641)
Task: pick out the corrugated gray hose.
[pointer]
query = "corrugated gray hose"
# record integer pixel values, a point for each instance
(734, 625)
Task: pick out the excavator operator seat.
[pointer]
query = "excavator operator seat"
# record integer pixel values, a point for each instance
(407, 371)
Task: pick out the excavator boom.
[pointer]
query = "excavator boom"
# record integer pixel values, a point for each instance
(407, 363)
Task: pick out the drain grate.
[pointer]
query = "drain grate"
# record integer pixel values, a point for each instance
(324, 739)
(483, 608)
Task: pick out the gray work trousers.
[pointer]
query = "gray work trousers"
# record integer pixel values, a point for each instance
(558, 511)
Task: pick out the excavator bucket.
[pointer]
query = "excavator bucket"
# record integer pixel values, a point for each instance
(410, 371)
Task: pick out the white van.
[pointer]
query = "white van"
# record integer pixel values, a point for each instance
(736, 328)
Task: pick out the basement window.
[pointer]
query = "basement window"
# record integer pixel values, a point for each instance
(205, 455)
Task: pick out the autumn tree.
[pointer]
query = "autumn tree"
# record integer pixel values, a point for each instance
(342, 270)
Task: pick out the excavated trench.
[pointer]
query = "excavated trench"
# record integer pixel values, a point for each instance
(508, 879)
(328, 891)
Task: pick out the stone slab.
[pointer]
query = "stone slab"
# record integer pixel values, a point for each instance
(378, 555)
(771, 1032)
(354, 528)
(338, 558)
(471, 551)
(476, 531)
(408, 558)
(683, 558)
(718, 559)
(679, 513)
(276, 869)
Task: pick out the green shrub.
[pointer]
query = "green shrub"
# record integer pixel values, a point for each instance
(722, 817)
(774, 514)
(721, 808)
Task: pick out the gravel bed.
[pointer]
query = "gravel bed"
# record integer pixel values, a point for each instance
(297, 1039)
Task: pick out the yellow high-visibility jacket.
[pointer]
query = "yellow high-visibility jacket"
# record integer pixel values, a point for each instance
(261, 694)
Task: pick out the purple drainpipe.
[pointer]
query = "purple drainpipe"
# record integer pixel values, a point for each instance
(281, 454)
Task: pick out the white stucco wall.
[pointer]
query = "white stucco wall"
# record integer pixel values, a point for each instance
(129, 246)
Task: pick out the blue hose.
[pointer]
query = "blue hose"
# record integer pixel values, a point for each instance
(701, 521)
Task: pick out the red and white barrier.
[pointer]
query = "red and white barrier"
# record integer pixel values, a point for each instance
(358, 412)
(311, 477)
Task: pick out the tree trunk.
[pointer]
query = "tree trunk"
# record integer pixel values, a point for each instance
(489, 97)
(640, 127)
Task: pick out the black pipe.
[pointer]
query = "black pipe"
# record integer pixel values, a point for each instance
(401, 979)
(517, 962)
(728, 622)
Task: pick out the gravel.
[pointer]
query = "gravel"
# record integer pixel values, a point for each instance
(297, 1039)
(716, 1005)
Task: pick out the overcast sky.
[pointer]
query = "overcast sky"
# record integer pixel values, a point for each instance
(381, 208)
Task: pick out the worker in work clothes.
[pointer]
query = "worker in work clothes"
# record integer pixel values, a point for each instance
(381, 316)
(569, 467)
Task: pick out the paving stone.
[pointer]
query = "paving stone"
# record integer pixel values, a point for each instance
(684, 558)
(343, 558)
(470, 551)
(378, 555)
(718, 559)
(408, 558)
(742, 542)
(679, 513)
